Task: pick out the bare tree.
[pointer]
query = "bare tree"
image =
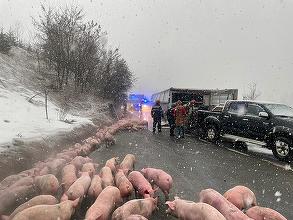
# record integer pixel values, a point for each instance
(15, 30)
(115, 77)
(57, 31)
(76, 50)
(252, 93)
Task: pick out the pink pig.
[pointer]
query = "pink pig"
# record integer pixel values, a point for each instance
(123, 184)
(79, 161)
(112, 164)
(8, 181)
(160, 178)
(90, 168)
(61, 211)
(261, 213)
(127, 165)
(14, 196)
(241, 196)
(107, 177)
(104, 205)
(109, 139)
(80, 187)
(141, 185)
(55, 166)
(95, 187)
(188, 210)
(228, 210)
(47, 184)
(68, 176)
(144, 207)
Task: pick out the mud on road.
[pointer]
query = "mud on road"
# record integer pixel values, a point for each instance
(196, 165)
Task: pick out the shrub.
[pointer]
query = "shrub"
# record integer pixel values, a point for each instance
(5, 42)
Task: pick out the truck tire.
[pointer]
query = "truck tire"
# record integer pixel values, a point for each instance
(281, 147)
(212, 133)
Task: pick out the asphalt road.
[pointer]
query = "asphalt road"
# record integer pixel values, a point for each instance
(196, 165)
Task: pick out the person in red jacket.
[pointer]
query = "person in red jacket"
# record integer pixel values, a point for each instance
(180, 117)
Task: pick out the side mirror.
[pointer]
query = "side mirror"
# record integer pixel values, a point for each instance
(263, 115)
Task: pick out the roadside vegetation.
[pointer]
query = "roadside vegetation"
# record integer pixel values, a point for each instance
(73, 58)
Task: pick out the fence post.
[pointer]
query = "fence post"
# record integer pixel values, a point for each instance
(46, 103)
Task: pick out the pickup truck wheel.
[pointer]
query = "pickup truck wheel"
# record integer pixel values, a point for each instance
(212, 133)
(281, 148)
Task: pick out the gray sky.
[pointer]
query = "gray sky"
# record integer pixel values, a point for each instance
(194, 44)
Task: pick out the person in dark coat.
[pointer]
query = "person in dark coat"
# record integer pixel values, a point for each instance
(157, 114)
(171, 119)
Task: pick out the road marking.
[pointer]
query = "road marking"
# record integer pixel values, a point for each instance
(285, 167)
(235, 151)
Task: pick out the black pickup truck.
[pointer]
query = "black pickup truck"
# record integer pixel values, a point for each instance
(263, 123)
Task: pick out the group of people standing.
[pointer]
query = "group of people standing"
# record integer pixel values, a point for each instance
(177, 116)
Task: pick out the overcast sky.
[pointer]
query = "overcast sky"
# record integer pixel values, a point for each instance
(193, 44)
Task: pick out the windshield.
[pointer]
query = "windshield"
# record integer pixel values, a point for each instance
(280, 110)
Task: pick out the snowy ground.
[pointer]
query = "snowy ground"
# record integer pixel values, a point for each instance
(19, 117)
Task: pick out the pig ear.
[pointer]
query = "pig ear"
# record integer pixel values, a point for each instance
(171, 204)
(75, 203)
(176, 197)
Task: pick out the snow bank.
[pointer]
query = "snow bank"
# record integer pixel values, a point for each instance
(20, 118)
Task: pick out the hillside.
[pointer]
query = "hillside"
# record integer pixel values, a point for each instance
(23, 117)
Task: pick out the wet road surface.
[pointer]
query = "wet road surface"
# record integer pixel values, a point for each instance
(196, 165)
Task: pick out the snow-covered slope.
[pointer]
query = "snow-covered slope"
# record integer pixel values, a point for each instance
(19, 117)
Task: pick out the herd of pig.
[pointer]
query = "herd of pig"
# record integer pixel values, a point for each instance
(56, 188)
(45, 177)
